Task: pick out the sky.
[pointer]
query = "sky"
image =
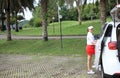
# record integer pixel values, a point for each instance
(28, 13)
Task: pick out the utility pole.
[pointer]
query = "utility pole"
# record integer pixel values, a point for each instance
(59, 17)
(53, 24)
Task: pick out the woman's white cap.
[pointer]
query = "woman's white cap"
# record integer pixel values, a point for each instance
(90, 27)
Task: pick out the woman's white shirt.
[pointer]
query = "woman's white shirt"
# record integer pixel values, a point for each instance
(90, 38)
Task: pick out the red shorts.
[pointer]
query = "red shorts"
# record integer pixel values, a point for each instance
(90, 49)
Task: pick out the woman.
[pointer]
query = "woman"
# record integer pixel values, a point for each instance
(90, 48)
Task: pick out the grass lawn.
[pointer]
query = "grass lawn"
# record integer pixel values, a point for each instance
(51, 47)
(68, 28)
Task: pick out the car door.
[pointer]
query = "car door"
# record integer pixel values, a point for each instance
(118, 40)
(105, 39)
(98, 47)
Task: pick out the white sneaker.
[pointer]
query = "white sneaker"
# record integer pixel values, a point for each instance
(93, 66)
(90, 72)
(99, 68)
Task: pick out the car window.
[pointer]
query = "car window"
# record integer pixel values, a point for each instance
(108, 31)
(103, 29)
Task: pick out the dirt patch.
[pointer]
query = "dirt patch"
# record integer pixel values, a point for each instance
(36, 66)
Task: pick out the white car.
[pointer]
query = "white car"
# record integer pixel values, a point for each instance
(108, 51)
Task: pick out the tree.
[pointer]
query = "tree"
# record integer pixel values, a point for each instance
(69, 14)
(9, 6)
(16, 9)
(43, 4)
(8, 20)
(109, 6)
(25, 4)
(103, 11)
(36, 21)
(79, 4)
(2, 18)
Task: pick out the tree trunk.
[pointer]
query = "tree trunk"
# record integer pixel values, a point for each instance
(16, 28)
(8, 22)
(44, 19)
(3, 18)
(103, 12)
(79, 12)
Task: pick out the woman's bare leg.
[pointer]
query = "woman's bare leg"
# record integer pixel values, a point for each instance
(89, 58)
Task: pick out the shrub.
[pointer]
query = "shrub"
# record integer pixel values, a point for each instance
(37, 22)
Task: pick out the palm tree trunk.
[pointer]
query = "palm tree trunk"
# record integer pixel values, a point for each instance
(103, 11)
(16, 29)
(79, 12)
(44, 19)
(8, 22)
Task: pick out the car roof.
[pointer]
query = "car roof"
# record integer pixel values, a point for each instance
(116, 23)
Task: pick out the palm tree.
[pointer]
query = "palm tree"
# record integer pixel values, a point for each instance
(9, 7)
(19, 8)
(7, 10)
(27, 4)
(43, 4)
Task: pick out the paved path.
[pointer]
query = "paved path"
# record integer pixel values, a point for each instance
(37, 66)
(39, 37)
